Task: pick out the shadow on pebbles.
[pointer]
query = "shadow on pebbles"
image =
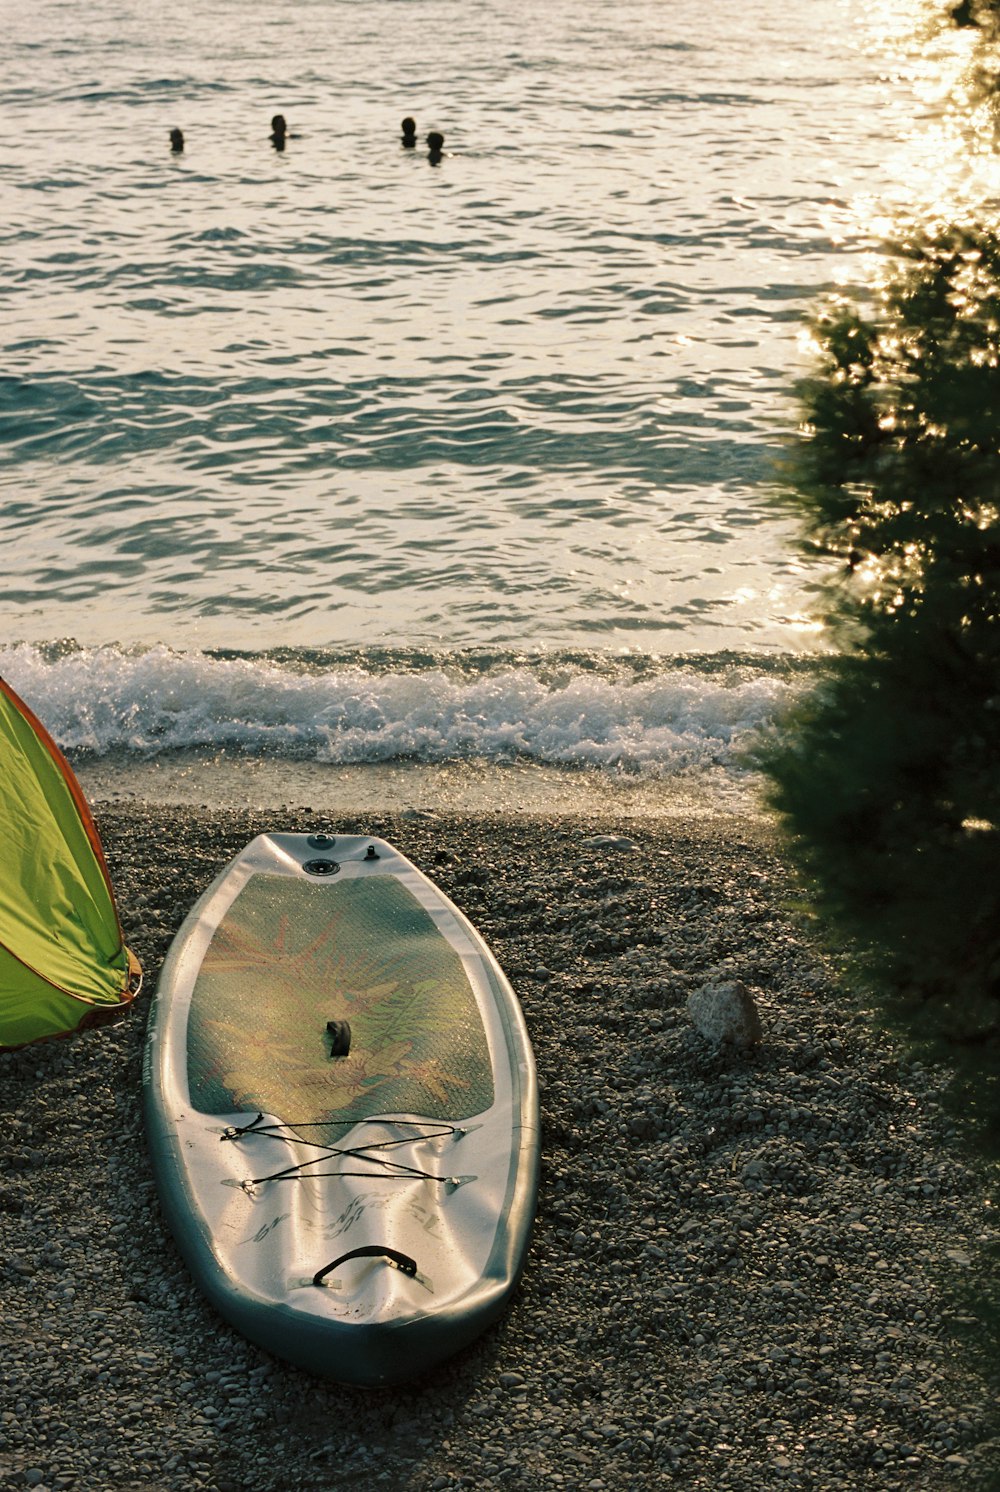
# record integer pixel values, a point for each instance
(747, 1266)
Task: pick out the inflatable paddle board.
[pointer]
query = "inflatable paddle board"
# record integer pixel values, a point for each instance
(342, 1110)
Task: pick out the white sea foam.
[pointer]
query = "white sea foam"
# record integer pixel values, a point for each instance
(106, 700)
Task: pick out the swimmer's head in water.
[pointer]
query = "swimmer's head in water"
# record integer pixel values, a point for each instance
(176, 140)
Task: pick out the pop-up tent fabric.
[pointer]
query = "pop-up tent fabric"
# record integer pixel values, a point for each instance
(63, 960)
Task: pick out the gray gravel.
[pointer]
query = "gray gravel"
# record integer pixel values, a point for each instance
(744, 1267)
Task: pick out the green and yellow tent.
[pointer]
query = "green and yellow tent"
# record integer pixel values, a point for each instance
(63, 960)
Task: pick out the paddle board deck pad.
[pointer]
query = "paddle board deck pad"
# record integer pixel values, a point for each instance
(342, 1110)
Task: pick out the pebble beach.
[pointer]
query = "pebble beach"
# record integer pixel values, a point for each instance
(746, 1270)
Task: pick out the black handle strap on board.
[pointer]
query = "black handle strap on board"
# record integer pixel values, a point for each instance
(370, 1251)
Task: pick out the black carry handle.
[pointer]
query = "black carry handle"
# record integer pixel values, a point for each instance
(370, 1251)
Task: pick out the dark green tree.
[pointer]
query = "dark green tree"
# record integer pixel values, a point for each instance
(887, 775)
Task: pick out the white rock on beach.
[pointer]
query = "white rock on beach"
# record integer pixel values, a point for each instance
(724, 1012)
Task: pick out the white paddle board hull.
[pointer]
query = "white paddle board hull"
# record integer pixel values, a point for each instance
(342, 1110)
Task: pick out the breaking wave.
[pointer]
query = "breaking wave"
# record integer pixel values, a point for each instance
(639, 716)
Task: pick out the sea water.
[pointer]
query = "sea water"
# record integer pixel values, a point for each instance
(338, 454)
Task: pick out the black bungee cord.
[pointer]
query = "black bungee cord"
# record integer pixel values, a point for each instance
(390, 1169)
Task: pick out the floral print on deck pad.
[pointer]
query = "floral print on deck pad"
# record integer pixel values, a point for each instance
(291, 955)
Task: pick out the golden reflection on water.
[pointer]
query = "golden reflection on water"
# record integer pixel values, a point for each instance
(941, 84)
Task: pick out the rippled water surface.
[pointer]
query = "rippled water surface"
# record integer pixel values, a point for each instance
(338, 395)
